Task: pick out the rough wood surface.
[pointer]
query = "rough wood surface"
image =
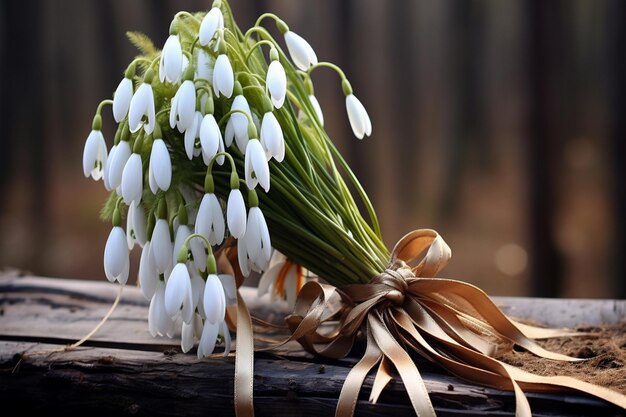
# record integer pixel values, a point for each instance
(122, 370)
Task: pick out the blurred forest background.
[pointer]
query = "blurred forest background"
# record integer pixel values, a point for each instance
(499, 124)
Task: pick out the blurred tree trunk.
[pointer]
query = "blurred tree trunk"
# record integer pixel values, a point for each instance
(544, 57)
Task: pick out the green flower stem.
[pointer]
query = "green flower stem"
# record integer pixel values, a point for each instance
(258, 44)
(102, 104)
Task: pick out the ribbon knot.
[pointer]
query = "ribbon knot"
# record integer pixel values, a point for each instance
(393, 282)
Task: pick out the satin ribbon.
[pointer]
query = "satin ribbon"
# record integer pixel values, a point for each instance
(448, 322)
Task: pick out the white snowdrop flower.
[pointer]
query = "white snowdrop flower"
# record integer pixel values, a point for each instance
(198, 252)
(317, 108)
(94, 155)
(171, 63)
(245, 264)
(211, 22)
(276, 83)
(119, 157)
(214, 299)
(160, 165)
(272, 137)
(282, 280)
(190, 332)
(204, 65)
(132, 179)
(236, 213)
(184, 106)
(182, 233)
(141, 111)
(302, 54)
(210, 219)
(178, 293)
(359, 119)
(135, 225)
(256, 169)
(116, 259)
(121, 99)
(208, 338)
(159, 322)
(195, 245)
(240, 121)
(147, 274)
(161, 246)
(257, 237)
(191, 134)
(107, 169)
(210, 139)
(172, 113)
(223, 77)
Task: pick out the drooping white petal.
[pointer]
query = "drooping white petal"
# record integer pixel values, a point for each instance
(210, 137)
(230, 288)
(94, 155)
(186, 105)
(147, 274)
(258, 242)
(159, 322)
(255, 166)
(214, 299)
(121, 99)
(178, 293)
(173, 112)
(132, 179)
(242, 256)
(302, 54)
(240, 121)
(118, 162)
(186, 337)
(191, 134)
(210, 219)
(359, 119)
(208, 339)
(211, 22)
(223, 77)
(115, 254)
(276, 83)
(182, 233)
(161, 164)
(229, 133)
(226, 335)
(142, 105)
(197, 290)
(199, 254)
(236, 213)
(107, 169)
(317, 108)
(171, 66)
(161, 246)
(272, 137)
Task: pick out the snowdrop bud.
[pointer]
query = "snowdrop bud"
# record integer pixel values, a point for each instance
(236, 213)
(214, 300)
(178, 293)
(210, 138)
(142, 106)
(160, 165)
(116, 259)
(94, 155)
(171, 63)
(121, 99)
(212, 21)
(256, 169)
(359, 119)
(272, 137)
(161, 246)
(118, 162)
(132, 179)
(210, 219)
(302, 54)
(276, 83)
(317, 108)
(185, 105)
(223, 77)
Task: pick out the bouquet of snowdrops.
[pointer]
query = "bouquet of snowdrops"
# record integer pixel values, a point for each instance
(220, 137)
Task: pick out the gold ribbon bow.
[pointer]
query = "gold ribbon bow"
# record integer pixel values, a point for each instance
(448, 322)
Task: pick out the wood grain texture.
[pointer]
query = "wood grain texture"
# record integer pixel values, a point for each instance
(123, 371)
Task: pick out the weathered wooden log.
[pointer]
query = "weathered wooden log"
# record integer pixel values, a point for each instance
(123, 371)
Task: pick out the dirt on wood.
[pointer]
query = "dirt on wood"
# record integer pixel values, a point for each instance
(604, 349)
